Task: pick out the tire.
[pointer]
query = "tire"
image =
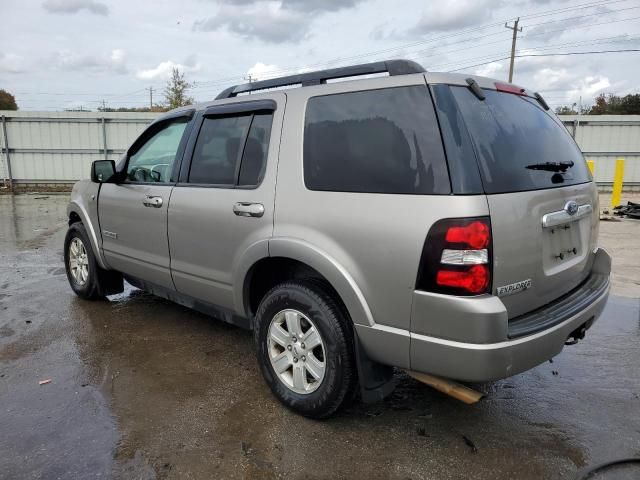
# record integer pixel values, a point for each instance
(77, 240)
(300, 386)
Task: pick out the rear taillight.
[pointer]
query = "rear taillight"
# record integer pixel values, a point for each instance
(456, 258)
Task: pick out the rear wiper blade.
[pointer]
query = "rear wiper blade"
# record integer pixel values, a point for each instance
(551, 166)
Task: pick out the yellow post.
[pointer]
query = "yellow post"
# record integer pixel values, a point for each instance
(591, 167)
(617, 183)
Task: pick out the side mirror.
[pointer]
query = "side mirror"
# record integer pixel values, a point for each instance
(102, 170)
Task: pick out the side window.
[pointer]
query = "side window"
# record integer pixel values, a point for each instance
(153, 160)
(376, 141)
(254, 158)
(231, 151)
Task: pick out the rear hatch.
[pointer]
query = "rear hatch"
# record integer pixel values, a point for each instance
(534, 177)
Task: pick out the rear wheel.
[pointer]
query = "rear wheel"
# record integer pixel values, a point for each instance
(80, 262)
(305, 348)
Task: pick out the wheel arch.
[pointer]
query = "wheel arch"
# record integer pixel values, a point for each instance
(298, 257)
(76, 213)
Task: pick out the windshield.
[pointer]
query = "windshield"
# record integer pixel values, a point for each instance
(518, 145)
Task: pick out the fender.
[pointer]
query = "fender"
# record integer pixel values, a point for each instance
(253, 254)
(84, 192)
(339, 278)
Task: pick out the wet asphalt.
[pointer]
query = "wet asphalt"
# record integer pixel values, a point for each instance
(143, 388)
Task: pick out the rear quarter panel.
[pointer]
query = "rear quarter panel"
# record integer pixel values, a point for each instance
(376, 238)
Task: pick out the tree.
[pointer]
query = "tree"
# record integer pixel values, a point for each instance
(566, 110)
(609, 104)
(7, 101)
(156, 108)
(175, 92)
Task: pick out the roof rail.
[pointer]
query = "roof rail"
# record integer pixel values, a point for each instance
(393, 67)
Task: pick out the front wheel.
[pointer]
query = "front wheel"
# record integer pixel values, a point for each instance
(305, 348)
(80, 262)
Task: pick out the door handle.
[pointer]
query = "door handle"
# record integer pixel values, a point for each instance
(151, 201)
(247, 209)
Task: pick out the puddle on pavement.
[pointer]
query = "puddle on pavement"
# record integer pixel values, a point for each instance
(144, 388)
(27, 221)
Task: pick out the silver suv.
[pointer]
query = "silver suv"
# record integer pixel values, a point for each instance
(432, 222)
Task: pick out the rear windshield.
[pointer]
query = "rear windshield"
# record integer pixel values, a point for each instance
(517, 144)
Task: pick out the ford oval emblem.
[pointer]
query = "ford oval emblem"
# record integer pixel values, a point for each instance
(571, 207)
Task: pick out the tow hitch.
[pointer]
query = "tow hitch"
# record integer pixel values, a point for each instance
(579, 333)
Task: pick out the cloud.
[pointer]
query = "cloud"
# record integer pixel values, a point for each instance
(163, 69)
(270, 21)
(74, 6)
(115, 62)
(490, 70)
(454, 15)
(12, 63)
(320, 5)
(303, 5)
(262, 71)
(264, 21)
(589, 87)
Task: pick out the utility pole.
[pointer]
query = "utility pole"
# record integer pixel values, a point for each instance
(150, 97)
(249, 78)
(513, 45)
(104, 105)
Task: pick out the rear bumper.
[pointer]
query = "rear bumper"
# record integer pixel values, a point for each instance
(471, 338)
(491, 361)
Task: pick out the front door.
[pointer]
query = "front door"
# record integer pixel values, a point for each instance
(223, 205)
(133, 213)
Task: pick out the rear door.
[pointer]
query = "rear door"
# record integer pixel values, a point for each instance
(223, 205)
(542, 201)
(133, 213)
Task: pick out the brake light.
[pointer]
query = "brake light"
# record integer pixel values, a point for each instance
(456, 257)
(510, 88)
(475, 235)
(473, 280)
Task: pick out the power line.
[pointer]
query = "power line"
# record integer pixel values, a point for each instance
(548, 55)
(544, 33)
(579, 53)
(576, 43)
(582, 16)
(221, 81)
(422, 42)
(574, 7)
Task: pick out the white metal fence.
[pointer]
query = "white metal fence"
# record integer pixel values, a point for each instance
(603, 139)
(58, 147)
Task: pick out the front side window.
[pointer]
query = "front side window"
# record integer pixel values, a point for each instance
(153, 160)
(376, 141)
(231, 151)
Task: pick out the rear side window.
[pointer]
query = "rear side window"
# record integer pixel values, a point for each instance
(376, 141)
(231, 150)
(254, 159)
(516, 142)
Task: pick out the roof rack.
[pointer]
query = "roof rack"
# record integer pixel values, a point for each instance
(393, 67)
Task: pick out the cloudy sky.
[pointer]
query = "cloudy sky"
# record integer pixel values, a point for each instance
(57, 54)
